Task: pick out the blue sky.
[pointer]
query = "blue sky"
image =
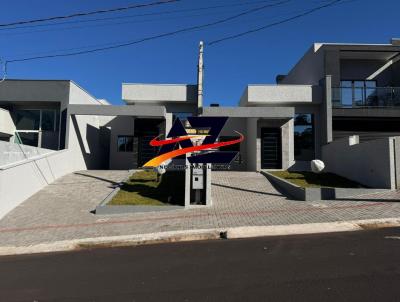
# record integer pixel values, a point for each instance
(253, 59)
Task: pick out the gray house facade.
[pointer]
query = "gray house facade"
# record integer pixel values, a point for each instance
(333, 92)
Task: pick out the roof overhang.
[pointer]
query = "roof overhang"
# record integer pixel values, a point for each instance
(251, 112)
(131, 110)
(365, 51)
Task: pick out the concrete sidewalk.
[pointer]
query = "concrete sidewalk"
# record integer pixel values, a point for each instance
(61, 212)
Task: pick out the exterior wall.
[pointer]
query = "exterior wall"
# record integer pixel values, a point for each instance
(21, 180)
(280, 94)
(309, 70)
(370, 163)
(252, 144)
(84, 142)
(158, 93)
(34, 91)
(332, 66)
(122, 125)
(326, 112)
(7, 126)
(78, 95)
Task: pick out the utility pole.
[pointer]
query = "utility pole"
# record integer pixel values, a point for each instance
(200, 75)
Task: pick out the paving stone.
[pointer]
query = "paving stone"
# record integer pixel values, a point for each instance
(62, 210)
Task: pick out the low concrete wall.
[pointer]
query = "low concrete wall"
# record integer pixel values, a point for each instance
(21, 180)
(371, 163)
(315, 194)
(289, 189)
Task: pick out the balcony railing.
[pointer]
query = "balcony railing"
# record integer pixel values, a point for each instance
(354, 97)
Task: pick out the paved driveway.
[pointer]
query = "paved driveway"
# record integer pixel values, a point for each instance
(61, 211)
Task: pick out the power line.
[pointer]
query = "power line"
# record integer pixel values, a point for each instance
(112, 23)
(151, 37)
(138, 15)
(102, 11)
(308, 12)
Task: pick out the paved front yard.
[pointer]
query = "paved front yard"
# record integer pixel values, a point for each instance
(61, 211)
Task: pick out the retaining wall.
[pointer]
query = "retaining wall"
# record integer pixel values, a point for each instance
(371, 163)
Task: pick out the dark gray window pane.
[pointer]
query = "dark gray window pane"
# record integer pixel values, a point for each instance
(27, 138)
(129, 144)
(304, 137)
(49, 140)
(121, 144)
(27, 119)
(370, 84)
(346, 84)
(48, 120)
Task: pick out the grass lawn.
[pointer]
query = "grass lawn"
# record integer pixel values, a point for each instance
(142, 188)
(314, 180)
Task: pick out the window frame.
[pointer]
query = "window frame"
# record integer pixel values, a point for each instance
(39, 130)
(312, 125)
(125, 137)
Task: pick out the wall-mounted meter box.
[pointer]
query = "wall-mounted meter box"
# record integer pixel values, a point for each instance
(197, 179)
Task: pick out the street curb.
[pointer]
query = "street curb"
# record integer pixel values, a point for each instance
(202, 234)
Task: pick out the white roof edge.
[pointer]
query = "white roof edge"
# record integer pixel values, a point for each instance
(280, 85)
(84, 90)
(355, 44)
(158, 84)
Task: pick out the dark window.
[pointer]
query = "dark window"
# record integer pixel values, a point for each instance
(357, 93)
(304, 137)
(48, 120)
(27, 119)
(125, 143)
(27, 138)
(63, 129)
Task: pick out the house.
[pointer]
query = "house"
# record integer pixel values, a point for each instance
(333, 92)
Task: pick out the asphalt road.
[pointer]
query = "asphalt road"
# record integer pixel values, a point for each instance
(360, 266)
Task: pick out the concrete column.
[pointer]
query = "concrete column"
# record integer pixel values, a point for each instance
(251, 144)
(67, 129)
(168, 123)
(326, 109)
(208, 185)
(287, 131)
(396, 153)
(187, 184)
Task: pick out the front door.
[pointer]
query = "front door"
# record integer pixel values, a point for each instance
(271, 148)
(145, 151)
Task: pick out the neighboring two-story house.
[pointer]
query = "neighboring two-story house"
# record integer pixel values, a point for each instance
(334, 91)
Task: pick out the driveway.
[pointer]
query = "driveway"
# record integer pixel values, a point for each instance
(61, 211)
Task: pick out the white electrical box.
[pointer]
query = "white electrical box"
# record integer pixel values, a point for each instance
(197, 179)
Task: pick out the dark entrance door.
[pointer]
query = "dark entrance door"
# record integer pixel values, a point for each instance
(145, 151)
(145, 131)
(271, 148)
